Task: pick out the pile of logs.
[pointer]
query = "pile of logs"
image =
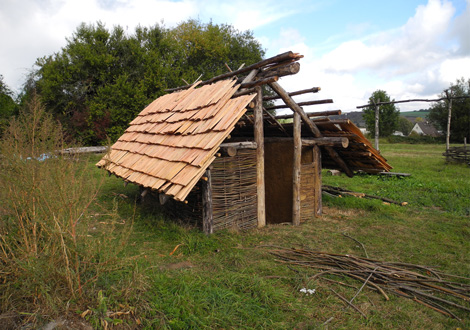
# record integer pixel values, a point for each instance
(458, 154)
(441, 292)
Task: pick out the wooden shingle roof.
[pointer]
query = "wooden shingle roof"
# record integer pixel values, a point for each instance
(169, 145)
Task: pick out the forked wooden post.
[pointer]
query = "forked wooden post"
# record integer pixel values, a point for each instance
(376, 140)
(259, 139)
(207, 218)
(449, 116)
(296, 170)
(318, 207)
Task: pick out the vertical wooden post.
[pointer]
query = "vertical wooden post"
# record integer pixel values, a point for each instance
(259, 139)
(207, 218)
(317, 182)
(377, 124)
(296, 170)
(449, 115)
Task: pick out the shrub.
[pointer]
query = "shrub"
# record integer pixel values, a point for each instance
(48, 259)
(415, 138)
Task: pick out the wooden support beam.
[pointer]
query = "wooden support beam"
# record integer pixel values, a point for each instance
(273, 119)
(285, 70)
(332, 122)
(259, 82)
(312, 127)
(239, 145)
(296, 170)
(317, 179)
(163, 198)
(259, 139)
(313, 114)
(326, 141)
(275, 59)
(304, 91)
(244, 92)
(207, 215)
(301, 104)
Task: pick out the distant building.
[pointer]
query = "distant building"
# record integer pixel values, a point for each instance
(425, 128)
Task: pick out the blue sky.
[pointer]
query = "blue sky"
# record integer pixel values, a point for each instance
(409, 48)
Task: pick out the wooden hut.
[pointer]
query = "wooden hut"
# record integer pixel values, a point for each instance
(215, 150)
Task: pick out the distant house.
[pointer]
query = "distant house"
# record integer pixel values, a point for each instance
(425, 128)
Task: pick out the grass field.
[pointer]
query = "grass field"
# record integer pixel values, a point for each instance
(182, 279)
(174, 277)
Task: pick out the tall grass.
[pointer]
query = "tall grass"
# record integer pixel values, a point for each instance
(49, 260)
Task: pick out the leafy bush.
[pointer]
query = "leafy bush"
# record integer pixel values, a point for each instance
(49, 261)
(415, 139)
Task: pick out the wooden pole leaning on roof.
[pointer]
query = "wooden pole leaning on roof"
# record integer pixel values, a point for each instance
(313, 128)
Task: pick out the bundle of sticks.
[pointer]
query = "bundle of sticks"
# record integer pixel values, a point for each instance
(441, 292)
(339, 192)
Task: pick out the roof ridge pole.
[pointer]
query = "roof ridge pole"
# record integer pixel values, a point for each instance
(311, 125)
(259, 139)
(275, 59)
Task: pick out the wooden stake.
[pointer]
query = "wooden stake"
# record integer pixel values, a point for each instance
(259, 139)
(296, 170)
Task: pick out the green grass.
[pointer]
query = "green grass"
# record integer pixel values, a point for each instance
(179, 278)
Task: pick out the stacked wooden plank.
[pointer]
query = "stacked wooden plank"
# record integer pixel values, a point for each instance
(169, 145)
(458, 154)
(360, 154)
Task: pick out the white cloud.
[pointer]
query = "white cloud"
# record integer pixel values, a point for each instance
(35, 28)
(416, 60)
(452, 69)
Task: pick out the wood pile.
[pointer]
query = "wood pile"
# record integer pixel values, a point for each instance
(458, 154)
(444, 293)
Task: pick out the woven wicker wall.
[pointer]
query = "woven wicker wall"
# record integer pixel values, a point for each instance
(234, 197)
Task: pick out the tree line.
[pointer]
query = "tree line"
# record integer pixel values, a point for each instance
(104, 77)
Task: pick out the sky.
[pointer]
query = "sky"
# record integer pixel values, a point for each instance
(409, 48)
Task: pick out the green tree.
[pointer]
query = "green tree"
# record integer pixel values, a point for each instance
(99, 82)
(404, 125)
(388, 114)
(460, 120)
(204, 49)
(103, 78)
(8, 106)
